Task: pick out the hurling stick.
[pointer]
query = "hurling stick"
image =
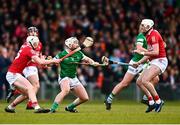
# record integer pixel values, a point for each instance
(88, 42)
(106, 60)
(87, 64)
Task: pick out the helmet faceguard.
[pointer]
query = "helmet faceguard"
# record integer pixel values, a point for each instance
(33, 40)
(70, 41)
(147, 24)
(32, 31)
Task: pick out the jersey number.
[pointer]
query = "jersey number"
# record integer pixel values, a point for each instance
(18, 54)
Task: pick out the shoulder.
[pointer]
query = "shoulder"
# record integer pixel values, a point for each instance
(140, 35)
(61, 54)
(154, 33)
(80, 53)
(64, 52)
(27, 51)
(25, 47)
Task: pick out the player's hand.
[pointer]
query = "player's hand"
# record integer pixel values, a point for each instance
(43, 57)
(49, 57)
(137, 51)
(136, 64)
(95, 64)
(57, 61)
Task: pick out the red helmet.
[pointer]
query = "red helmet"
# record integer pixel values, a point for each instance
(32, 31)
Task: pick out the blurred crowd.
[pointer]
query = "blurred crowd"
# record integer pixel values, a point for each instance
(112, 23)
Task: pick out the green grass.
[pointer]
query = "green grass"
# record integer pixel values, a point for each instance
(94, 112)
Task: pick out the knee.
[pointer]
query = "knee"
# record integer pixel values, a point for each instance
(85, 99)
(30, 88)
(65, 92)
(155, 80)
(36, 86)
(144, 81)
(139, 82)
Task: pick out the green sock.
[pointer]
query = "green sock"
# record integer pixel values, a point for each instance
(54, 106)
(110, 98)
(71, 106)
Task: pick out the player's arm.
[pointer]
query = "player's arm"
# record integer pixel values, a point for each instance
(153, 52)
(42, 61)
(140, 47)
(143, 60)
(89, 60)
(139, 44)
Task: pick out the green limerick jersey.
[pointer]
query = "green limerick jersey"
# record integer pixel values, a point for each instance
(68, 69)
(140, 39)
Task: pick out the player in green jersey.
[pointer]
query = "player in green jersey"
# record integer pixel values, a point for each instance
(141, 44)
(68, 80)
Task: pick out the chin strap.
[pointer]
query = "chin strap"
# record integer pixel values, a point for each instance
(147, 31)
(32, 46)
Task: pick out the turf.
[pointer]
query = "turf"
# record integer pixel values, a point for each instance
(94, 112)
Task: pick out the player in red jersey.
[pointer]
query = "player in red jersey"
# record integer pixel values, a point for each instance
(31, 71)
(14, 76)
(158, 64)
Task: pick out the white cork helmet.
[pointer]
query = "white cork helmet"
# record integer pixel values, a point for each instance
(148, 22)
(32, 39)
(70, 41)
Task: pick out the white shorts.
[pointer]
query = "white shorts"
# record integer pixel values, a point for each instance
(12, 77)
(30, 70)
(136, 70)
(73, 81)
(162, 63)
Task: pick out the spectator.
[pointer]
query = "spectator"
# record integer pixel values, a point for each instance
(4, 63)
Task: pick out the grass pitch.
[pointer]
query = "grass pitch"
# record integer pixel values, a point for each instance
(94, 112)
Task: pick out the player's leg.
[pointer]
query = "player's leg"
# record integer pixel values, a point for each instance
(65, 89)
(118, 88)
(82, 95)
(18, 100)
(22, 83)
(150, 102)
(152, 72)
(34, 80)
(154, 81)
(31, 73)
(11, 93)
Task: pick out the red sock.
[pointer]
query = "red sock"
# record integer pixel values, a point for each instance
(29, 104)
(151, 101)
(14, 104)
(34, 104)
(16, 92)
(150, 98)
(156, 97)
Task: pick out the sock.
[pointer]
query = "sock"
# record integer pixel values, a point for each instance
(12, 106)
(35, 105)
(16, 92)
(145, 97)
(151, 101)
(29, 104)
(54, 106)
(71, 106)
(110, 98)
(157, 99)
